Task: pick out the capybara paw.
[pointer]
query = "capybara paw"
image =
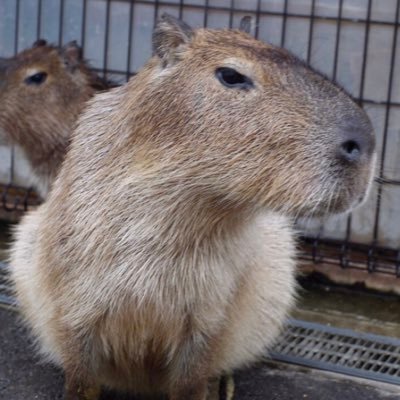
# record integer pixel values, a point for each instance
(80, 393)
(222, 388)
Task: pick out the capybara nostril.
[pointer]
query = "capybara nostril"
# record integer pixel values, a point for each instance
(350, 151)
(357, 142)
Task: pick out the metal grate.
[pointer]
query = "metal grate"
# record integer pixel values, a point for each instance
(340, 350)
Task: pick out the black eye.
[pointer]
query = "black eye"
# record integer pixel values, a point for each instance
(233, 79)
(36, 79)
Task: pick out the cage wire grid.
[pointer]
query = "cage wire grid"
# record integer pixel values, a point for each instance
(115, 36)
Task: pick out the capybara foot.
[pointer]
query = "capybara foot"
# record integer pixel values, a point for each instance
(80, 391)
(222, 388)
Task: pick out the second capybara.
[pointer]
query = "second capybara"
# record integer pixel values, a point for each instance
(164, 255)
(42, 91)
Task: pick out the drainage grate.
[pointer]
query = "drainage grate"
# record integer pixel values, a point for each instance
(340, 350)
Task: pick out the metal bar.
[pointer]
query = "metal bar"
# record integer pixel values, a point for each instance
(39, 20)
(106, 36)
(386, 181)
(156, 7)
(361, 95)
(83, 26)
(344, 256)
(16, 31)
(231, 10)
(284, 20)
(16, 35)
(181, 4)
(273, 13)
(365, 50)
(386, 125)
(337, 41)
(206, 10)
(130, 34)
(258, 17)
(61, 23)
(311, 32)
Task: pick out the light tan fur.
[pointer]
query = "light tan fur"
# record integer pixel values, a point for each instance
(164, 255)
(40, 117)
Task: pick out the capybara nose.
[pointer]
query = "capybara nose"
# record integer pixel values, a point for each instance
(357, 142)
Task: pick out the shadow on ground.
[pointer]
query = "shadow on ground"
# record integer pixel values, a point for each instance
(22, 377)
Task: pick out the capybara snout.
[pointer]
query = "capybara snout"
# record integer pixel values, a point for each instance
(300, 143)
(356, 141)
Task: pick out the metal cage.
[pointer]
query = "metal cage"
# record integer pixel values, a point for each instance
(353, 42)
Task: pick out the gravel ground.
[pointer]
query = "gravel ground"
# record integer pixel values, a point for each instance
(23, 377)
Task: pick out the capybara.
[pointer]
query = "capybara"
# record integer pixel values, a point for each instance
(164, 256)
(42, 91)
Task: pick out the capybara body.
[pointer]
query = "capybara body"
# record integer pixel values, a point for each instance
(164, 255)
(42, 91)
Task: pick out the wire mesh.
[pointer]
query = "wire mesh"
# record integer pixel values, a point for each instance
(354, 43)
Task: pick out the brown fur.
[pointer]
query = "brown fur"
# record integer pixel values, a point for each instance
(39, 118)
(164, 255)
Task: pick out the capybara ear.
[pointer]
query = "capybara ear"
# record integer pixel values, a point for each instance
(40, 43)
(170, 36)
(245, 24)
(72, 54)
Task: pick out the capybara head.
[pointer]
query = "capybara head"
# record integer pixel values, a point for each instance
(245, 122)
(42, 91)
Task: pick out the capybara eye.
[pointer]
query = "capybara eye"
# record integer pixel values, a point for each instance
(233, 79)
(36, 79)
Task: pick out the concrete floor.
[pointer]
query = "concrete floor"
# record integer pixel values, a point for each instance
(348, 307)
(23, 377)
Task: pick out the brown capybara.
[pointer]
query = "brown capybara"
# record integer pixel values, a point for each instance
(42, 91)
(164, 255)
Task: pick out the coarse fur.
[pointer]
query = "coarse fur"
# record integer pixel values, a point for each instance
(40, 115)
(164, 255)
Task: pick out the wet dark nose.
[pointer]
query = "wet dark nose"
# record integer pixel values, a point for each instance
(357, 141)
